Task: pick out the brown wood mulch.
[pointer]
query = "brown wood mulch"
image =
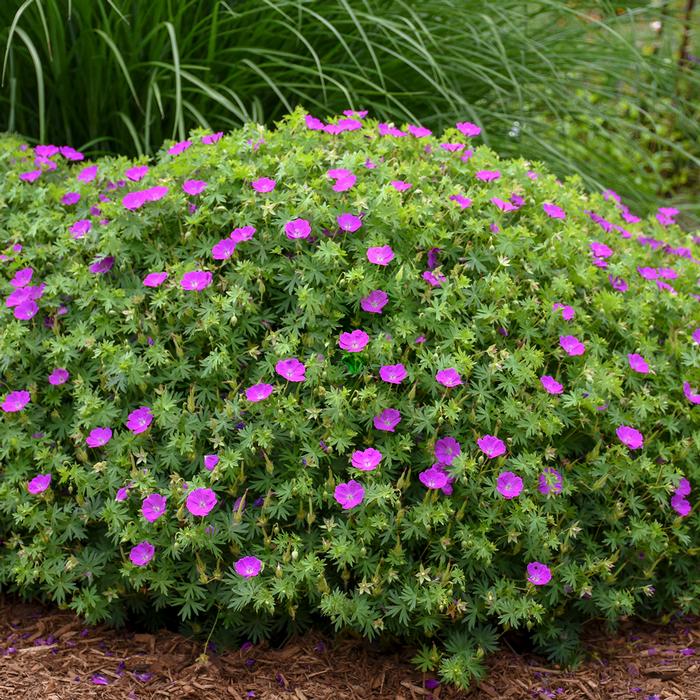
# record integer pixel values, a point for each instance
(49, 654)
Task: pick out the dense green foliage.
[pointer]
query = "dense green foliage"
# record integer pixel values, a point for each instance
(446, 571)
(541, 77)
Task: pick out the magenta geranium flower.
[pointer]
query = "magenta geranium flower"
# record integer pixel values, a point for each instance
(344, 179)
(669, 211)
(142, 553)
(388, 130)
(39, 483)
(135, 200)
(681, 505)
(387, 420)
(210, 462)
(24, 294)
(258, 392)
(380, 255)
(153, 506)
(375, 301)
(356, 341)
(666, 215)
(666, 287)
(343, 184)
(138, 172)
(244, 233)
(59, 376)
(102, 266)
(153, 194)
(648, 273)
(349, 222)
(572, 345)
(46, 150)
(418, 131)
(464, 202)
(434, 279)
(400, 185)
(15, 401)
(31, 175)
(696, 336)
(447, 489)
(638, 363)
(452, 147)
(538, 574)
(349, 494)
(502, 205)
(683, 488)
(567, 312)
(200, 501)
(509, 485)
(338, 173)
(22, 278)
(196, 280)
(446, 449)
(87, 174)
(448, 377)
(366, 460)
(98, 437)
(26, 310)
(491, 446)
(600, 250)
(433, 478)
(690, 394)
(122, 494)
(70, 198)
(154, 279)
(69, 153)
(313, 123)
(291, 369)
(393, 374)
(432, 257)
(468, 128)
(517, 200)
(348, 124)
(487, 175)
(263, 184)
(224, 249)
(618, 284)
(140, 420)
(248, 567)
(550, 481)
(550, 385)
(80, 228)
(333, 129)
(553, 211)
(630, 437)
(297, 228)
(209, 139)
(194, 187)
(179, 147)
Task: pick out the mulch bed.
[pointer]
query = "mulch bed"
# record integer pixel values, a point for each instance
(49, 654)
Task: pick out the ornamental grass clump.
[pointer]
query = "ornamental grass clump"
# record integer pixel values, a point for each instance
(265, 384)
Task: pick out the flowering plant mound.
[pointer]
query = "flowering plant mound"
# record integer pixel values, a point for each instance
(316, 370)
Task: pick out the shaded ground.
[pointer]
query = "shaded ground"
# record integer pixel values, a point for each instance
(51, 655)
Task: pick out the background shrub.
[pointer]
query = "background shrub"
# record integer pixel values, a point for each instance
(542, 78)
(504, 284)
